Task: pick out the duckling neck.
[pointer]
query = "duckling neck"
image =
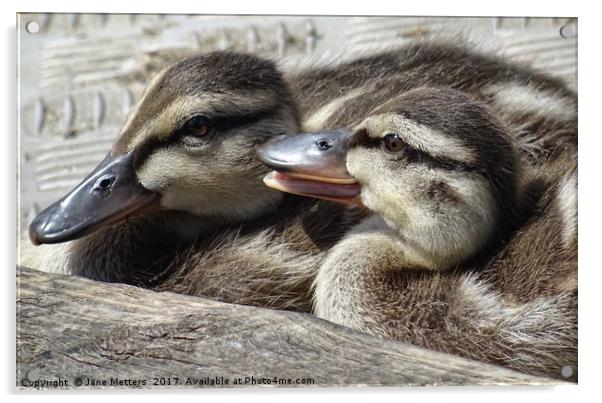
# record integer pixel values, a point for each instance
(369, 250)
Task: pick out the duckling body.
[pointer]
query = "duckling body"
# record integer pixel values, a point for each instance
(470, 250)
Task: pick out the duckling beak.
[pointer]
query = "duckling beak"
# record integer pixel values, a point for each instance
(310, 164)
(109, 194)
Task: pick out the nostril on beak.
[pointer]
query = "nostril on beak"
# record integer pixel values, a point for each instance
(323, 144)
(104, 184)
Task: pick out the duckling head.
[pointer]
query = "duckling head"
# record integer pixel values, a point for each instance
(188, 145)
(437, 166)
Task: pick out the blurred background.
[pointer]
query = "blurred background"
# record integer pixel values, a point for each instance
(80, 74)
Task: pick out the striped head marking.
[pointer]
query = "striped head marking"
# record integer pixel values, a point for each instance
(195, 129)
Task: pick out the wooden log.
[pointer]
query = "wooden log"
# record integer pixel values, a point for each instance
(70, 329)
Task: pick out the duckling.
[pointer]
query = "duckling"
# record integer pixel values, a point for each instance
(462, 254)
(182, 177)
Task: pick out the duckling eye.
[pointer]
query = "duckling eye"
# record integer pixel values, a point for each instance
(197, 126)
(392, 143)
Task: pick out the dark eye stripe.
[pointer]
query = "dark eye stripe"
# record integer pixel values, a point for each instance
(224, 122)
(220, 122)
(412, 154)
(228, 122)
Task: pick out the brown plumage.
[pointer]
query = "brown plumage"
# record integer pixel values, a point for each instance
(269, 262)
(235, 240)
(541, 111)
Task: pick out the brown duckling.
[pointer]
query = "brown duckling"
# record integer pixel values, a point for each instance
(182, 178)
(469, 251)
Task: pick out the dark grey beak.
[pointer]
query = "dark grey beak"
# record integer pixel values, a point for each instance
(310, 164)
(110, 193)
(319, 155)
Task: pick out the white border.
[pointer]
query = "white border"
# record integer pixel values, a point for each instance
(589, 181)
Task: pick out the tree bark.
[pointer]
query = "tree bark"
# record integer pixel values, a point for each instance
(76, 330)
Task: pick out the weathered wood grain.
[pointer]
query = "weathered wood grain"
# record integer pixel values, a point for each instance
(71, 328)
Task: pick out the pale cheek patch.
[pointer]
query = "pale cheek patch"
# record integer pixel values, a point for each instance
(178, 179)
(452, 223)
(203, 186)
(383, 191)
(525, 98)
(154, 174)
(477, 202)
(175, 176)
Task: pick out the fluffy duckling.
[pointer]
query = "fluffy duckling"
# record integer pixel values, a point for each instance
(182, 177)
(462, 255)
